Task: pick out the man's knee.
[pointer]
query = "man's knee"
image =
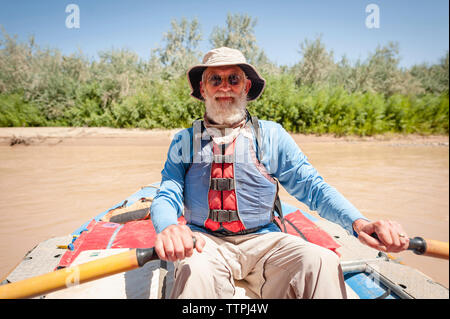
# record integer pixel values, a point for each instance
(195, 266)
(329, 256)
(199, 277)
(319, 257)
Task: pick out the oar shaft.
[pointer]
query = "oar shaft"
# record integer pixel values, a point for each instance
(71, 276)
(430, 247)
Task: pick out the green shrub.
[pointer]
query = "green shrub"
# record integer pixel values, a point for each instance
(15, 111)
(44, 87)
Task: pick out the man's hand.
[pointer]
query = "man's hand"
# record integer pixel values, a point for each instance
(176, 242)
(391, 236)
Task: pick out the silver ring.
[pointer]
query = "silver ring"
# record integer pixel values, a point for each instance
(402, 235)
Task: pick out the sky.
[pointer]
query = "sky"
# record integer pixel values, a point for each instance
(420, 27)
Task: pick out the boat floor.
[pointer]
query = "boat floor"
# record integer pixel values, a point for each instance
(155, 279)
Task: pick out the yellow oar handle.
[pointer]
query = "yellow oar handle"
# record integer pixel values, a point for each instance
(429, 247)
(75, 275)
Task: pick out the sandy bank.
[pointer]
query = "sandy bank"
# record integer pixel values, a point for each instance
(14, 136)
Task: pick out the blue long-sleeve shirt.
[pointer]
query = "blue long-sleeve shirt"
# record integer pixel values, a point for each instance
(282, 158)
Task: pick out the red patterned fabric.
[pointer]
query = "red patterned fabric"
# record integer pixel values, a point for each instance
(309, 230)
(104, 235)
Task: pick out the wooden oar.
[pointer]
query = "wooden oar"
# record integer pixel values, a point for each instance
(67, 277)
(429, 247)
(426, 247)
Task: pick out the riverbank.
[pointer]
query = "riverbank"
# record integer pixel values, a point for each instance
(54, 135)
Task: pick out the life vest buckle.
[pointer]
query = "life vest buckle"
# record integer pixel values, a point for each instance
(222, 184)
(221, 159)
(223, 216)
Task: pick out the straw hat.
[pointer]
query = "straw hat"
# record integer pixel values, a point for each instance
(221, 57)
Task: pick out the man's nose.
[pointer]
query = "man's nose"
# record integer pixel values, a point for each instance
(224, 86)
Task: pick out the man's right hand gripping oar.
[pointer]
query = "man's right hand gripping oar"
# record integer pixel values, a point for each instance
(176, 242)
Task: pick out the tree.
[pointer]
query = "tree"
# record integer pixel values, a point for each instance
(434, 78)
(383, 73)
(239, 33)
(180, 50)
(117, 73)
(15, 62)
(316, 64)
(380, 73)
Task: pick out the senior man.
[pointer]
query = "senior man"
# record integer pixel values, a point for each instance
(223, 174)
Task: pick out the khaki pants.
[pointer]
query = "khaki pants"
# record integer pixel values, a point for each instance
(274, 265)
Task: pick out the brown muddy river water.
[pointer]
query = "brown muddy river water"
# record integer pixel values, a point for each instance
(66, 176)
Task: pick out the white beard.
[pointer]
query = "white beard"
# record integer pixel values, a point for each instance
(226, 113)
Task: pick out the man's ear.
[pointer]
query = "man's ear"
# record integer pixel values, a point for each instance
(248, 85)
(202, 91)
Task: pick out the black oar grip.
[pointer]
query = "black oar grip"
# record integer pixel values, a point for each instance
(417, 244)
(144, 255)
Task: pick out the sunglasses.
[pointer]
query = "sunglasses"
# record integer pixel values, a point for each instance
(216, 80)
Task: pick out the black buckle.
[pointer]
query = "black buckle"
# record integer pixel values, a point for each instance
(222, 184)
(224, 216)
(223, 158)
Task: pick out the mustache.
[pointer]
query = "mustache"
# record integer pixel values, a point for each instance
(227, 94)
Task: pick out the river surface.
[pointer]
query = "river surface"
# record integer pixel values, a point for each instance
(52, 186)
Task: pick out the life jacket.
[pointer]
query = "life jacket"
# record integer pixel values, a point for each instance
(227, 189)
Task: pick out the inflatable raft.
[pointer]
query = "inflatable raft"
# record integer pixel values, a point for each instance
(368, 274)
